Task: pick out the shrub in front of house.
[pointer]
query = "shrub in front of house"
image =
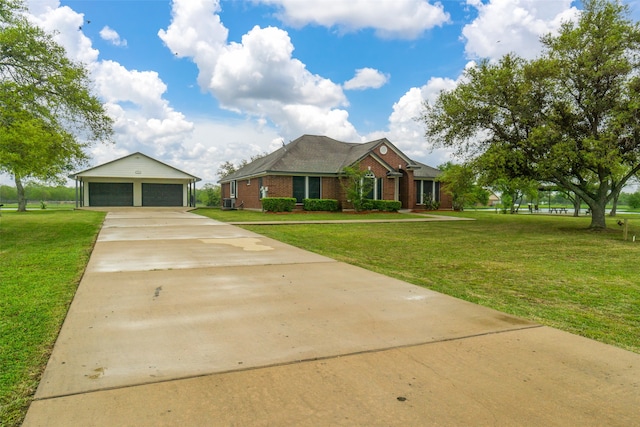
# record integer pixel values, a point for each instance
(329, 205)
(383, 205)
(388, 205)
(278, 204)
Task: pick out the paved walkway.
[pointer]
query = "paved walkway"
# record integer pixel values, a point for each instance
(181, 320)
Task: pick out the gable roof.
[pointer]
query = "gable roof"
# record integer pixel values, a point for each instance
(136, 165)
(312, 154)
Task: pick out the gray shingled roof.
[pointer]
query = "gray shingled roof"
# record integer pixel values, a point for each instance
(309, 154)
(426, 171)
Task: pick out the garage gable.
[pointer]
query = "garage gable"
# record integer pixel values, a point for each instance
(134, 180)
(136, 165)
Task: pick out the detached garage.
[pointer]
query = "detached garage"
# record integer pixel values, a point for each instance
(134, 180)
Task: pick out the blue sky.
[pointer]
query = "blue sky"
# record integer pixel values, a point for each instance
(196, 83)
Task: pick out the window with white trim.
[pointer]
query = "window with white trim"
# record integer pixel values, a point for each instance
(232, 189)
(306, 187)
(427, 190)
(376, 189)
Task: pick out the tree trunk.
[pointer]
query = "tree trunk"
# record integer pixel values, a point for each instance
(615, 204)
(22, 201)
(598, 216)
(576, 200)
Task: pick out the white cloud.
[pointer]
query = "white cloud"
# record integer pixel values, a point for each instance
(115, 84)
(390, 19)
(143, 119)
(196, 32)
(406, 132)
(366, 78)
(309, 119)
(112, 36)
(41, 7)
(257, 76)
(66, 25)
(261, 70)
(214, 142)
(505, 26)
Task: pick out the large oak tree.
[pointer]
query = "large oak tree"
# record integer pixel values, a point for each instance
(570, 117)
(48, 115)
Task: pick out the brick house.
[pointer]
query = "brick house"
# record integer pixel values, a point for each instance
(311, 167)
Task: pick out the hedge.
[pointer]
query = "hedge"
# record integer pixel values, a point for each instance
(278, 204)
(330, 205)
(382, 205)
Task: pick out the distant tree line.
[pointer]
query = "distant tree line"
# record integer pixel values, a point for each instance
(470, 186)
(208, 195)
(38, 193)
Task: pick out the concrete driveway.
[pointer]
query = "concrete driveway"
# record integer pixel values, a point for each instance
(180, 320)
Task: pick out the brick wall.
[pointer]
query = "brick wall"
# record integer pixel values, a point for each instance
(282, 186)
(279, 186)
(331, 188)
(248, 194)
(406, 188)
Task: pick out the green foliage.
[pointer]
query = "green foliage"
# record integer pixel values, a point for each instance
(227, 168)
(356, 186)
(381, 205)
(481, 196)
(430, 203)
(459, 182)
(278, 204)
(570, 118)
(210, 195)
(329, 205)
(8, 193)
(506, 203)
(48, 116)
(36, 191)
(634, 200)
(513, 190)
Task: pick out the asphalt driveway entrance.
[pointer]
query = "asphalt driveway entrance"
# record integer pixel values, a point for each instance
(182, 320)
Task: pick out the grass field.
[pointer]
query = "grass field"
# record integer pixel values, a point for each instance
(546, 268)
(542, 267)
(43, 254)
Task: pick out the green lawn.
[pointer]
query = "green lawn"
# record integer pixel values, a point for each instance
(43, 254)
(546, 268)
(250, 215)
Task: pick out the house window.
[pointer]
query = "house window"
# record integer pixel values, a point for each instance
(306, 187)
(376, 189)
(232, 190)
(427, 190)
